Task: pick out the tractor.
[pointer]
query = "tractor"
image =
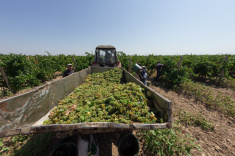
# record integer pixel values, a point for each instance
(106, 56)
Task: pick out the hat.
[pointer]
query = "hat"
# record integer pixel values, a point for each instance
(69, 64)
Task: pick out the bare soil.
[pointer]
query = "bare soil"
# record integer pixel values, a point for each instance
(219, 142)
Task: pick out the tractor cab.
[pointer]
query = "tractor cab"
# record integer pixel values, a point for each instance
(106, 56)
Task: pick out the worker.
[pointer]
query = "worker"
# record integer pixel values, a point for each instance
(100, 60)
(69, 70)
(158, 68)
(144, 75)
(108, 58)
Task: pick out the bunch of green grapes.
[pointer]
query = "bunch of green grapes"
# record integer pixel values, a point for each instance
(102, 98)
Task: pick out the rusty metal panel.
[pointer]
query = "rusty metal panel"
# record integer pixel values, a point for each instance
(26, 109)
(82, 127)
(23, 109)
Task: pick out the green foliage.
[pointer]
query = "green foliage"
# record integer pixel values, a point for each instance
(192, 66)
(167, 142)
(212, 66)
(195, 120)
(204, 94)
(173, 76)
(231, 67)
(202, 67)
(5, 92)
(29, 71)
(12, 144)
(35, 145)
(25, 145)
(20, 138)
(124, 59)
(20, 71)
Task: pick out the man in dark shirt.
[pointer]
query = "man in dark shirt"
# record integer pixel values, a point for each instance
(69, 70)
(159, 68)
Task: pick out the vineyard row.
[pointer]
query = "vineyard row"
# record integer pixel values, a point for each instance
(24, 71)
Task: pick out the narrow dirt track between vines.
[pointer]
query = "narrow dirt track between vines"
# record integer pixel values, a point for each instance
(221, 141)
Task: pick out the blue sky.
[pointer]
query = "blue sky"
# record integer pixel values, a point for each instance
(160, 27)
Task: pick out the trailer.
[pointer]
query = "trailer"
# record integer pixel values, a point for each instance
(24, 114)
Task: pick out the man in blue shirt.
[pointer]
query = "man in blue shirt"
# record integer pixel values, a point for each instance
(144, 74)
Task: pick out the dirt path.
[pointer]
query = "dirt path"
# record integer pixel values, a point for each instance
(219, 142)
